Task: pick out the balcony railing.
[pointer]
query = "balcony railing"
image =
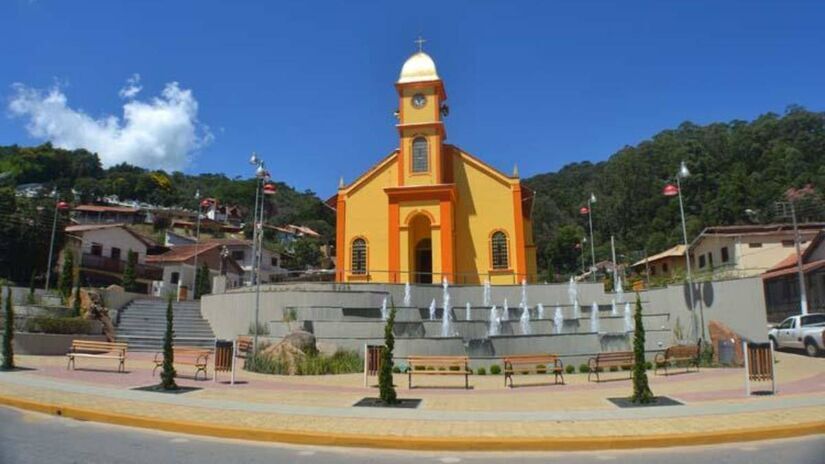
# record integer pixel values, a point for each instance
(117, 266)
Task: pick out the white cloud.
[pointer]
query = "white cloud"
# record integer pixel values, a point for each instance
(132, 87)
(161, 133)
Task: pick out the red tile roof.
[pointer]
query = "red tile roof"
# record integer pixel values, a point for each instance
(105, 209)
(181, 253)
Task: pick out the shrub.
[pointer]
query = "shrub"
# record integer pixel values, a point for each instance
(569, 369)
(481, 371)
(495, 369)
(64, 284)
(648, 365)
(614, 368)
(258, 328)
(396, 370)
(58, 325)
(455, 368)
(129, 279)
(341, 362)
(627, 368)
(584, 368)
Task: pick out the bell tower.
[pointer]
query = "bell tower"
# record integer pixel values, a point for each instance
(421, 131)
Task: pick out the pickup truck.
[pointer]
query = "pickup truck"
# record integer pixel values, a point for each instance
(802, 332)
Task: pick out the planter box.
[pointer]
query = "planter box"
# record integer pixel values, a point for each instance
(48, 344)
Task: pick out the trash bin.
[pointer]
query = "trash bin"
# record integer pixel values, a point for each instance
(726, 352)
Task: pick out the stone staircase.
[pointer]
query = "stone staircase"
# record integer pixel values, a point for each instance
(142, 324)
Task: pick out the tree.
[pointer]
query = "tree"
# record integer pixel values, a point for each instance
(66, 274)
(168, 374)
(8, 333)
(641, 388)
(30, 297)
(202, 281)
(306, 253)
(129, 277)
(76, 303)
(385, 386)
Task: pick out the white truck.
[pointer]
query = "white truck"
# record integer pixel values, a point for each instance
(801, 332)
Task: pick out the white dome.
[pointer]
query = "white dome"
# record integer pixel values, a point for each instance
(418, 68)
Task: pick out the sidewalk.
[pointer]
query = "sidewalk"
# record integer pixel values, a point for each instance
(319, 410)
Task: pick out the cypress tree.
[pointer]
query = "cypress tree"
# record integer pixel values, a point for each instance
(385, 386)
(76, 303)
(64, 285)
(641, 388)
(129, 277)
(202, 285)
(167, 375)
(8, 333)
(30, 297)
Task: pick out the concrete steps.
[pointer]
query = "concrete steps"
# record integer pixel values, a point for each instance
(142, 324)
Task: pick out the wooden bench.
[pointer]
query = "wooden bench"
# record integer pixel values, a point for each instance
(97, 349)
(687, 354)
(533, 364)
(606, 360)
(188, 355)
(439, 365)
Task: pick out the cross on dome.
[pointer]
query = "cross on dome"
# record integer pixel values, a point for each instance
(420, 41)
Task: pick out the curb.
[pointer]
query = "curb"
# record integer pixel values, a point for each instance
(318, 438)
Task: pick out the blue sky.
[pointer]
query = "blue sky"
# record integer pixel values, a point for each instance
(309, 85)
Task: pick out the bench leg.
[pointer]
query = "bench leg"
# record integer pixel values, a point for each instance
(154, 369)
(466, 381)
(409, 380)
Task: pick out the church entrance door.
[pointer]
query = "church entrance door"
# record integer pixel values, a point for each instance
(424, 262)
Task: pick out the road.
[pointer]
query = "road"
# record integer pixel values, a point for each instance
(31, 438)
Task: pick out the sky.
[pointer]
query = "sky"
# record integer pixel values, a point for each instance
(198, 85)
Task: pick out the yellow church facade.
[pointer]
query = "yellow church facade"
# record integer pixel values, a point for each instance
(430, 210)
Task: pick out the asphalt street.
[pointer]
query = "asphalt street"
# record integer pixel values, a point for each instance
(31, 438)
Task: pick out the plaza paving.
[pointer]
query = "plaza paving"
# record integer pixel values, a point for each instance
(318, 409)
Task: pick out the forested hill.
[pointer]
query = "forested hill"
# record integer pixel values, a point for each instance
(80, 171)
(734, 166)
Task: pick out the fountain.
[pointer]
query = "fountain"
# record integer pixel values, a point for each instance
(540, 311)
(613, 310)
(407, 294)
(577, 311)
(467, 312)
(505, 311)
(594, 318)
(524, 320)
(384, 313)
(446, 316)
(572, 291)
(523, 303)
(488, 292)
(628, 318)
(619, 288)
(495, 322)
(558, 320)
(432, 310)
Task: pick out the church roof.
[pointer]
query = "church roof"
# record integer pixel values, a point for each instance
(419, 67)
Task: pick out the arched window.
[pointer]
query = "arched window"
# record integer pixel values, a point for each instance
(498, 245)
(359, 256)
(420, 155)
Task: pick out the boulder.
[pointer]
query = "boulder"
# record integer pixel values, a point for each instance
(720, 332)
(294, 347)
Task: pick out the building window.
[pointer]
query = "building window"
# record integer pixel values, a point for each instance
(237, 255)
(97, 249)
(420, 155)
(274, 261)
(174, 278)
(498, 245)
(359, 256)
(664, 268)
(754, 245)
(115, 253)
(710, 259)
(725, 256)
(701, 261)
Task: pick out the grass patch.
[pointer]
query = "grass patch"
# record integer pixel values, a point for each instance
(342, 362)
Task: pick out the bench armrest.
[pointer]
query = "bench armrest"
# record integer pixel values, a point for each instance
(158, 357)
(204, 357)
(558, 364)
(660, 358)
(593, 363)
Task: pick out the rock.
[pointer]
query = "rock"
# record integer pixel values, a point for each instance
(294, 347)
(719, 332)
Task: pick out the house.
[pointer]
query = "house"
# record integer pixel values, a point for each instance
(103, 214)
(189, 227)
(781, 282)
(746, 250)
(662, 265)
(32, 190)
(178, 265)
(288, 234)
(222, 213)
(101, 252)
(241, 252)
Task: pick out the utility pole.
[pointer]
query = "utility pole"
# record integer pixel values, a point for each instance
(783, 208)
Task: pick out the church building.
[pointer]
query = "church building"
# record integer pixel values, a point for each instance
(430, 210)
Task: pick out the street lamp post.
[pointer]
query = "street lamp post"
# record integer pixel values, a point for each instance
(590, 202)
(58, 205)
(257, 242)
(669, 191)
(197, 241)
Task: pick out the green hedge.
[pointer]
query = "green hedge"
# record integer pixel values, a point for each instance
(342, 362)
(59, 325)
